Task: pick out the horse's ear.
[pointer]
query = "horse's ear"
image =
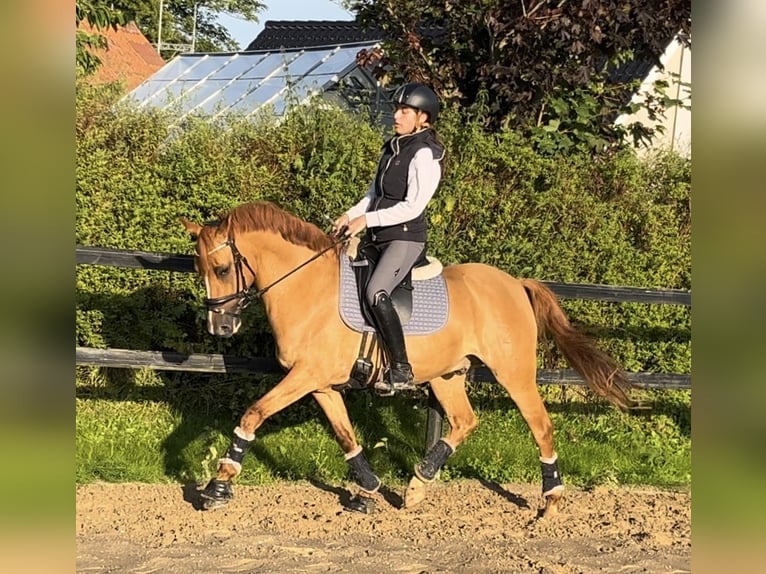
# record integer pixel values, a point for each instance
(193, 228)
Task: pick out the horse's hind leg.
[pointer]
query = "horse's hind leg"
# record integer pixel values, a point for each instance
(368, 482)
(522, 386)
(451, 394)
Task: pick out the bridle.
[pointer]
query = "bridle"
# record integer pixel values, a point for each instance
(244, 295)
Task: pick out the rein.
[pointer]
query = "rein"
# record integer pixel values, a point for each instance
(244, 294)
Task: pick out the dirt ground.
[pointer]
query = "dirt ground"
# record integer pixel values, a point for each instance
(461, 527)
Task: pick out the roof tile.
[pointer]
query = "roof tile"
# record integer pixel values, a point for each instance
(130, 58)
(290, 34)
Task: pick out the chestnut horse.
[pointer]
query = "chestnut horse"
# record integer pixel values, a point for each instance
(260, 250)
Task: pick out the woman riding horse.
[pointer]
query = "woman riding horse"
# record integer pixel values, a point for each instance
(393, 211)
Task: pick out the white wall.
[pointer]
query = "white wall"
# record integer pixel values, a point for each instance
(678, 121)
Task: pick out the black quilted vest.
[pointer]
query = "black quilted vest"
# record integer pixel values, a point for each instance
(391, 185)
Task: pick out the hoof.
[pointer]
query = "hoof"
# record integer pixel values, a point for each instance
(552, 500)
(360, 503)
(415, 493)
(216, 494)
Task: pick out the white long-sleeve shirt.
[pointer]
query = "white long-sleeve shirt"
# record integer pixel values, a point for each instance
(423, 178)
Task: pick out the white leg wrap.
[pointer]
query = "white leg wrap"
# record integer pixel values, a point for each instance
(237, 466)
(243, 435)
(550, 460)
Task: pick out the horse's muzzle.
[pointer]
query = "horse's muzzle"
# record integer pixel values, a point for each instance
(223, 324)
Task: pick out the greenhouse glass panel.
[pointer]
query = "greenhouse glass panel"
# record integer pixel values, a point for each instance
(147, 89)
(207, 66)
(174, 94)
(315, 82)
(338, 62)
(236, 90)
(296, 95)
(262, 95)
(238, 65)
(268, 65)
(199, 94)
(176, 67)
(299, 91)
(304, 63)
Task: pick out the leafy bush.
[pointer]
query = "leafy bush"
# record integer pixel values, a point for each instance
(611, 219)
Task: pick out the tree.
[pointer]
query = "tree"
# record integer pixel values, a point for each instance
(99, 16)
(183, 22)
(544, 66)
(178, 21)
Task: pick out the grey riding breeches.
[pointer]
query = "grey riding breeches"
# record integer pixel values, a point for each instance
(397, 259)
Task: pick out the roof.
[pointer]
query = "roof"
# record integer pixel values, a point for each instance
(244, 82)
(130, 58)
(289, 34)
(629, 71)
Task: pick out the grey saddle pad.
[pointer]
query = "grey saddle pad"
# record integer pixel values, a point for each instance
(430, 303)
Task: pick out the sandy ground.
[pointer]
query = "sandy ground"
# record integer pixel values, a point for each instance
(461, 527)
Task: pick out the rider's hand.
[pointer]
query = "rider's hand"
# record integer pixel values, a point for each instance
(356, 225)
(339, 225)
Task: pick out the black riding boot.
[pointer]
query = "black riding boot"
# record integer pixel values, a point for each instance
(390, 328)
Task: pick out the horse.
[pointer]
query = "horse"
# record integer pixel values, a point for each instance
(259, 250)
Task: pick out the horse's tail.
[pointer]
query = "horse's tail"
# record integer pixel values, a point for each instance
(600, 371)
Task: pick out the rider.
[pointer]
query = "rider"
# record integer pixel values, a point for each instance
(393, 211)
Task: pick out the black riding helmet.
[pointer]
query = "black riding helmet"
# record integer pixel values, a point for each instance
(420, 97)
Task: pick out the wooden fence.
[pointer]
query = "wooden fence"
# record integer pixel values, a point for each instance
(212, 363)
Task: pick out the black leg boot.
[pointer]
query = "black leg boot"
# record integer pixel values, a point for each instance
(399, 372)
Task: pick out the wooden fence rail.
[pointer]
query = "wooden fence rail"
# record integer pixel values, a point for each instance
(212, 363)
(185, 263)
(204, 363)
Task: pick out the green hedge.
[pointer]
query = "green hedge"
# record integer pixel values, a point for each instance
(613, 219)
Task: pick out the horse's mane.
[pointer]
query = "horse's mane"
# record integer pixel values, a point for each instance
(266, 216)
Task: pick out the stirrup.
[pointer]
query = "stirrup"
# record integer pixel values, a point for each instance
(399, 374)
(388, 387)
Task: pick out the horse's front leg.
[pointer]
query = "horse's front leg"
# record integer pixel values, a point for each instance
(451, 394)
(331, 402)
(295, 385)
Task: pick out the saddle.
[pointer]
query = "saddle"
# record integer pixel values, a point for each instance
(420, 300)
(364, 265)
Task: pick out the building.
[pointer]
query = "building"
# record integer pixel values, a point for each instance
(129, 57)
(677, 124)
(288, 63)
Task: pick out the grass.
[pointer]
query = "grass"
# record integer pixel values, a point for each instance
(152, 427)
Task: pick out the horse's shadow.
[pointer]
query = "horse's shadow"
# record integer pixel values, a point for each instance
(345, 496)
(191, 495)
(514, 499)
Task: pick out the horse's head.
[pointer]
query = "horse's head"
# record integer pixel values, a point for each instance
(227, 276)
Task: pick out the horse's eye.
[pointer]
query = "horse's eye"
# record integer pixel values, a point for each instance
(221, 272)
